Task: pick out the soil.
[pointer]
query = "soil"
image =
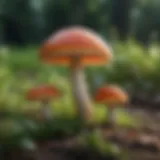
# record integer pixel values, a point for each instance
(142, 143)
(62, 150)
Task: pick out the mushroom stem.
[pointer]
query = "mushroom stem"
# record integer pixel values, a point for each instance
(45, 110)
(79, 89)
(111, 116)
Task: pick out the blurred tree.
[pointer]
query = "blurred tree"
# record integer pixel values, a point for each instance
(55, 14)
(29, 21)
(78, 10)
(97, 15)
(17, 19)
(74, 12)
(11, 30)
(120, 17)
(148, 22)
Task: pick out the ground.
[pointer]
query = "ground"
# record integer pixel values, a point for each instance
(22, 71)
(142, 143)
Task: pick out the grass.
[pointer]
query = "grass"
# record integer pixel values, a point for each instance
(20, 70)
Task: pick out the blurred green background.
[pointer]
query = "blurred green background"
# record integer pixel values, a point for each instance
(30, 21)
(132, 27)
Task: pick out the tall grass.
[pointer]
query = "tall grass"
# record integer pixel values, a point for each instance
(133, 67)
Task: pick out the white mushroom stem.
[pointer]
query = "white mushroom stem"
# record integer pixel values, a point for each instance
(45, 110)
(79, 88)
(111, 115)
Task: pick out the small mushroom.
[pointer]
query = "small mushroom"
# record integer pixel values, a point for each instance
(111, 95)
(43, 94)
(76, 47)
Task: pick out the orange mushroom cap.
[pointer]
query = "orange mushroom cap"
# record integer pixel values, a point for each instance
(111, 94)
(42, 93)
(75, 41)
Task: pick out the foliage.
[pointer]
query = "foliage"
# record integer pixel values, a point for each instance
(30, 21)
(134, 67)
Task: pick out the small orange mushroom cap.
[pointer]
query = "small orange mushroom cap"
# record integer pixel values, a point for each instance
(111, 95)
(75, 41)
(42, 93)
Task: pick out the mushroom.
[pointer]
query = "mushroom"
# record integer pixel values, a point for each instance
(76, 47)
(43, 94)
(111, 95)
